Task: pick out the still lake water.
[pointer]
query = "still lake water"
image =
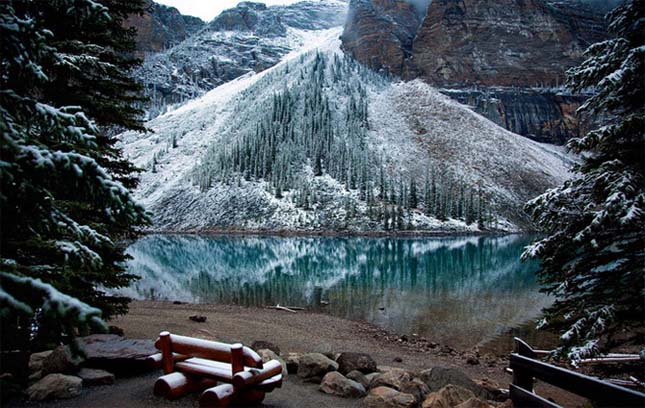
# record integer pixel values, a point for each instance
(462, 291)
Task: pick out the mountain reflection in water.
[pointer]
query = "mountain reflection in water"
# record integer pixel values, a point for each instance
(460, 291)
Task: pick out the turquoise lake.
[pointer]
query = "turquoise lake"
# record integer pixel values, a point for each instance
(462, 291)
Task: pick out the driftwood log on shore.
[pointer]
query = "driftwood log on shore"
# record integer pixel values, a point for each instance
(290, 309)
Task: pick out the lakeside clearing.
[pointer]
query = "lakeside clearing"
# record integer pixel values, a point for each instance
(302, 332)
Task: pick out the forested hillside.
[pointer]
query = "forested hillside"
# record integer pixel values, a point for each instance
(322, 143)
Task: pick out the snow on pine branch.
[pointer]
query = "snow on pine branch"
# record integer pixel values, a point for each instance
(83, 233)
(119, 204)
(26, 295)
(25, 42)
(79, 254)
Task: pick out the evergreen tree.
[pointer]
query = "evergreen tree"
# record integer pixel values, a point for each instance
(399, 218)
(63, 200)
(413, 199)
(592, 258)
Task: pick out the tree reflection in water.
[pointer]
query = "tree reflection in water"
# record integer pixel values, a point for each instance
(455, 290)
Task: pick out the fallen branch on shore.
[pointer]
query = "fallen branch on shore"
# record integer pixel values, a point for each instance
(612, 358)
(290, 309)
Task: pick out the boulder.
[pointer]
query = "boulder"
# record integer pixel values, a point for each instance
(447, 397)
(359, 378)
(385, 397)
(55, 386)
(370, 377)
(417, 388)
(36, 360)
(35, 376)
(117, 354)
(493, 389)
(438, 377)
(472, 359)
(268, 355)
(260, 345)
(395, 378)
(356, 361)
(474, 403)
(292, 360)
(61, 360)
(91, 376)
(335, 383)
(315, 365)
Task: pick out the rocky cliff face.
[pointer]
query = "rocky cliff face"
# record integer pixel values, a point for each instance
(161, 27)
(510, 43)
(513, 52)
(542, 115)
(249, 37)
(380, 33)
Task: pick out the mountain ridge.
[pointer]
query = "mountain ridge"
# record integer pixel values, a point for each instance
(505, 59)
(202, 171)
(248, 37)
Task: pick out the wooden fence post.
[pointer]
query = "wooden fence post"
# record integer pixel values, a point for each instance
(520, 378)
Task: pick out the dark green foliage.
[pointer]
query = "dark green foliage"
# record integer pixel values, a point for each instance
(318, 126)
(64, 91)
(594, 252)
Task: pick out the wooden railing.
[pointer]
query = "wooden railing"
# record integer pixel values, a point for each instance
(526, 368)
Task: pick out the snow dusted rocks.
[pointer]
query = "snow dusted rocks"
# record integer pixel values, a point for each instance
(55, 386)
(337, 384)
(245, 39)
(315, 365)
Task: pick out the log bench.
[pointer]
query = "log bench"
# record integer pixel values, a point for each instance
(225, 374)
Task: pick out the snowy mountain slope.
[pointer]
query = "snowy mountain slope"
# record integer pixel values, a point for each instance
(319, 142)
(249, 37)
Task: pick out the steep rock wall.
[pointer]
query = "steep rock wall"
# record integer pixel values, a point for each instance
(512, 52)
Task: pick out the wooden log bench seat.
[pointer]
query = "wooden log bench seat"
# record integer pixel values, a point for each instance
(225, 374)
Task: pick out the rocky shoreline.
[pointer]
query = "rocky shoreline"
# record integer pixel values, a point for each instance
(329, 362)
(60, 374)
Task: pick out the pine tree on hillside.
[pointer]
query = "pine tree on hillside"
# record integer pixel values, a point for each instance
(593, 257)
(62, 201)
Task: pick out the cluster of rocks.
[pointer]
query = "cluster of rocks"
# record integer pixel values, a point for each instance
(356, 375)
(62, 373)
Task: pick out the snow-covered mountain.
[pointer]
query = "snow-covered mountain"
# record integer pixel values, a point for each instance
(319, 142)
(250, 37)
